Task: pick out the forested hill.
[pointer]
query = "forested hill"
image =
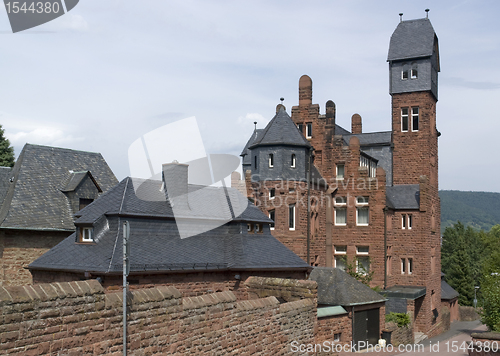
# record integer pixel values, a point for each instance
(481, 210)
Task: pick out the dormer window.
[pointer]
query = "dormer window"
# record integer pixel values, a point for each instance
(271, 160)
(294, 160)
(86, 234)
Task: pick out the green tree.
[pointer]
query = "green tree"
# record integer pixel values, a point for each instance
(6, 151)
(358, 271)
(456, 260)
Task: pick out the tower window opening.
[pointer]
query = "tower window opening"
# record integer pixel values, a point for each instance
(414, 119)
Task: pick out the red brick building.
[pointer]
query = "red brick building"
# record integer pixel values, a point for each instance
(373, 197)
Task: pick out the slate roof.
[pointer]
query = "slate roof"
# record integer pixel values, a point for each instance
(403, 196)
(447, 292)
(74, 180)
(371, 138)
(34, 200)
(412, 39)
(336, 287)
(246, 152)
(156, 245)
(281, 130)
(5, 175)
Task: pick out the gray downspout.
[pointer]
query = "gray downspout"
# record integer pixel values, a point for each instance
(309, 209)
(385, 247)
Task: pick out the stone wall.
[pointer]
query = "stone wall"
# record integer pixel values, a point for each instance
(19, 248)
(485, 344)
(76, 318)
(468, 313)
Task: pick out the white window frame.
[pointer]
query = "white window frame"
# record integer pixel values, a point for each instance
(358, 248)
(340, 249)
(410, 265)
(294, 160)
(340, 257)
(258, 228)
(291, 217)
(273, 214)
(87, 234)
(271, 160)
(403, 117)
(272, 193)
(414, 73)
(339, 206)
(308, 129)
(415, 112)
(362, 203)
(343, 171)
(250, 228)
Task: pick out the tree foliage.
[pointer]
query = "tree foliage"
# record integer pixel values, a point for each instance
(6, 151)
(358, 271)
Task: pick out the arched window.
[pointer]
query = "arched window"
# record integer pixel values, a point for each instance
(404, 74)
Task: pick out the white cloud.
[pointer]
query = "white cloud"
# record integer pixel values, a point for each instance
(41, 135)
(250, 118)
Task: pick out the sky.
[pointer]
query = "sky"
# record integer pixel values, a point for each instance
(108, 72)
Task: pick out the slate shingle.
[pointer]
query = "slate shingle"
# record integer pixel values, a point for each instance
(403, 196)
(412, 39)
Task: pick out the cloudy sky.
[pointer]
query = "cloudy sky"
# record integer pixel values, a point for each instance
(109, 72)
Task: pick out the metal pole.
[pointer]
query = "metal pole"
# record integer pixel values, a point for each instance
(126, 235)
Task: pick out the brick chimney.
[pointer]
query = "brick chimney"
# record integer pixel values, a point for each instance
(175, 178)
(356, 125)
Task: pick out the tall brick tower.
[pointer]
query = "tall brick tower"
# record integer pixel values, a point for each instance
(414, 243)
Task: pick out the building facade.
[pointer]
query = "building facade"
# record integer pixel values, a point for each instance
(364, 199)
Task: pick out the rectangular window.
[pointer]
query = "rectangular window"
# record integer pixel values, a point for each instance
(340, 171)
(271, 160)
(414, 119)
(340, 249)
(255, 162)
(309, 130)
(410, 221)
(403, 221)
(362, 211)
(363, 264)
(272, 216)
(340, 262)
(294, 159)
(414, 73)
(340, 211)
(291, 217)
(258, 228)
(301, 128)
(336, 337)
(404, 74)
(250, 228)
(410, 265)
(272, 193)
(86, 234)
(403, 265)
(389, 265)
(362, 250)
(404, 119)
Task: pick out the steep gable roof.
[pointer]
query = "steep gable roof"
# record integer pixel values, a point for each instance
(336, 287)
(34, 199)
(412, 39)
(5, 175)
(246, 152)
(281, 130)
(447, 291)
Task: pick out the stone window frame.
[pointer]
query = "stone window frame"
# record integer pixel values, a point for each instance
(272, 216)
(337, 176)
(362, 204)
(291, 217)
(308, 129)
(337, 207)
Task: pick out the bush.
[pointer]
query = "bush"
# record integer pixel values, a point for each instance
(402, 319)
(490, 314)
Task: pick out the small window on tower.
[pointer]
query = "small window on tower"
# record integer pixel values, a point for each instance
(271, 160)
(404, 119)
(414, 73)
(294, 159)
(272, 193)
(291, 217)
(404, 75)
(255, 162)
(272, 216)
(301, 127)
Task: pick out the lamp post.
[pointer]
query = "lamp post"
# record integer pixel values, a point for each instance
(475, 296)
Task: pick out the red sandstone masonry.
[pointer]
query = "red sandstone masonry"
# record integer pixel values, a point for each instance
(77, 318)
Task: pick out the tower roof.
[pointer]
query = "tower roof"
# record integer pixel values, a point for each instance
(280, 131)
(412, 39)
